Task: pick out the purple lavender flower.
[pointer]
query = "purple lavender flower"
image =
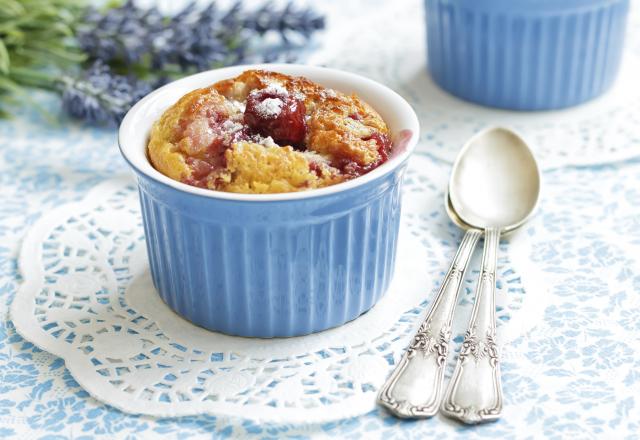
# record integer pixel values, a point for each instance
(99, 96)
(287, 22)
(194, 38)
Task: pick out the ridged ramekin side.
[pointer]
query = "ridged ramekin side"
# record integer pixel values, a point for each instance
(525, 59)
(272, 269)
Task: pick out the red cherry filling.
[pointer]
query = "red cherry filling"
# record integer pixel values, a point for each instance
(315, 168)
(209, 135)
(199, 168)
(278, 114)
(384, 146)
(351, 168)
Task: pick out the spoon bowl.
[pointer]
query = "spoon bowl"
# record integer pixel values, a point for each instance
(495, 182)
(453, 216)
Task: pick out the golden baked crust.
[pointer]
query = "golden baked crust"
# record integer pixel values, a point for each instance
(206, 139)
(272, 169)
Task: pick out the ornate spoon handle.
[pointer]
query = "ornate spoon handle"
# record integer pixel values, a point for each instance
(414, 388)
(474, 394)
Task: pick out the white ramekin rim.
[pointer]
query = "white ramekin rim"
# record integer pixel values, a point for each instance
(135, 127)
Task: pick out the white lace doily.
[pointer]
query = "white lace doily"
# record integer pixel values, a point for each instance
(88, 298)
(600, 131)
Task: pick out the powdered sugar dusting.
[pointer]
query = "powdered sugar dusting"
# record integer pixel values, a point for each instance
(236, 106)
(270, 107)
(268, 142)
(312, 156)
(328, 93)
(273, 88)
(230, 130)
(231, 126)
(276, 89)
(261, 140)
(204, 133)
(201, 135)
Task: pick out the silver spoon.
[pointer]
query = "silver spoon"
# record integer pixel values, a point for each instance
(461, 224)
(414, 389)
(495, 186)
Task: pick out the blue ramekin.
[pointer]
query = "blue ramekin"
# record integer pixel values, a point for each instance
(525, 54)
(279, 264)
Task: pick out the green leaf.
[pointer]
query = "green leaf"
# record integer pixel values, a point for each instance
(8, 86)
(58, 51)
(10, 8)
(5, 60)
(33, 78)
(36, 43)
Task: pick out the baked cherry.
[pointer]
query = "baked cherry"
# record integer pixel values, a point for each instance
(199, 168)
(384, 145)
(276, 113)
(349, 167)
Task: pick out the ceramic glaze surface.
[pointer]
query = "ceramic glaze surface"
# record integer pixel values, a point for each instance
(275, 268)
(528, 55)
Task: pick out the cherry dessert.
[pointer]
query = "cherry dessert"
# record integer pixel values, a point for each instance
(276, 113)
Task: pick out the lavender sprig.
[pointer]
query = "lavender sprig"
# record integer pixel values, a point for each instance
(289, 21)
(99, 96)
(191, 39)
(194, 38)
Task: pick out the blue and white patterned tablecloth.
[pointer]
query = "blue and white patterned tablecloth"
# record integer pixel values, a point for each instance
(576, 375)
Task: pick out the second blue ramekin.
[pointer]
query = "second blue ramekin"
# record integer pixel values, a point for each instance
(272, 265)
(525, 54)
